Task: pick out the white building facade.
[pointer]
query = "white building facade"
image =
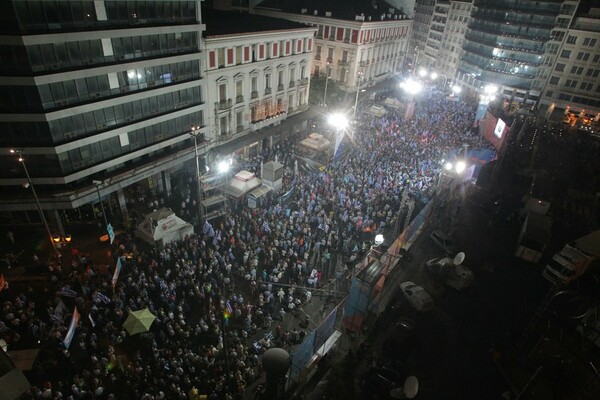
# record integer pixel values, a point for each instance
(354, 52)
(256, 79)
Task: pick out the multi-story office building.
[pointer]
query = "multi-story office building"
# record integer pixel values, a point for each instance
(257, 72)
(573, 86)
(508, 44)
(357, 43)
(423, 14)
(435, 34)
(459, 15)
(96, 91)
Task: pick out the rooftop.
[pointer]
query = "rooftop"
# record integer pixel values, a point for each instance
(220, 23)
(378, 10)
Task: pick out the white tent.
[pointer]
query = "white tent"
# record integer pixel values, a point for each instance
(243, 182)
(315, 142)
(163, 226)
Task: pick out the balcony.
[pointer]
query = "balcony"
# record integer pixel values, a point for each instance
(279, 88)
(253, 94)
(239, 128)
(223, 105)
(329, 60)
(268, 90)
(276, 119)
(343, 63)
(239, 99)
(303, 82)
(292, 84)
(363, 63)
(318, 57)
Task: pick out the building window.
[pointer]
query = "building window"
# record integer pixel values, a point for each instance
(589, 42)
(267, 81)
(238, 88)
(222, 93)
(565, 54)
(572, 39)
(586, 86)
(560, 67)
(254, 84)
(583, 56)
(576, 70)
(571, 83)
(549, 93)
(554, 80)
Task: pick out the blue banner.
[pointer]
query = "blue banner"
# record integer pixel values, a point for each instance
(324, 331)
(302, 356)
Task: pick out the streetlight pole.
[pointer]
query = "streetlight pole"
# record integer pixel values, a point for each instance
(327, 70)
(98, 183)
(37, 200)
(194, 132)
(358, 82)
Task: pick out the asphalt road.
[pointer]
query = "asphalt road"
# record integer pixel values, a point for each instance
(452, 357)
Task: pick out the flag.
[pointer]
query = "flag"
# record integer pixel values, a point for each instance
(99, 297)
(338, 141)
(266, 228)
(67, 292)
(71, 332)
(118, 268)
(3, 283)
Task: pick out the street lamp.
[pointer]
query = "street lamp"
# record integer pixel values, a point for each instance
(98, 183)
(327, 71)
(18, 152)
(194, 132)
(456, 89)
(358, 90)
(411, 86)
(339, 121)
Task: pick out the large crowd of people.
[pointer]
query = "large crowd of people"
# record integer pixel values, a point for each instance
(257, 265)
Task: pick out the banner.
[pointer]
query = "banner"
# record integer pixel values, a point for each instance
(71, 332)
(117, 272)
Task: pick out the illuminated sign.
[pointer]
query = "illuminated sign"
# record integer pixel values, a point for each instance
(499, 129)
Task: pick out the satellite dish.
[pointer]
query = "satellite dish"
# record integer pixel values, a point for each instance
(408, 391)
(459, 258)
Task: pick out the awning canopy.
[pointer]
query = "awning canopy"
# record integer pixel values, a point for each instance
(242, 183)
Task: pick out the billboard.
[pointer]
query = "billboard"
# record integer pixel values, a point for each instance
(494, 130)
(499, 129)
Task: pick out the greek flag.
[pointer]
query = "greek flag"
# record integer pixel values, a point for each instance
(266, 228)
(67, 292)
(100, 298)
(208, 229)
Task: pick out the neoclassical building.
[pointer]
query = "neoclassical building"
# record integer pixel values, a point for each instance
(257, 71)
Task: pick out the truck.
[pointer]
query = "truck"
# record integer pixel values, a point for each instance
(534, 237)
(574, 259)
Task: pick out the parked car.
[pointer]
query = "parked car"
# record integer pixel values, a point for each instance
(442, 241)
(417, 297)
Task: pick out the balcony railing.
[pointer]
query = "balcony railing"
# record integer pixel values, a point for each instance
(303, 82)
(343, 63)
(223, 105)
(292, 84)
(329, 59)
(363, 63)
(279, 88)
(318, 57)
(239, 99)
(253, 94)
(268, 90)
